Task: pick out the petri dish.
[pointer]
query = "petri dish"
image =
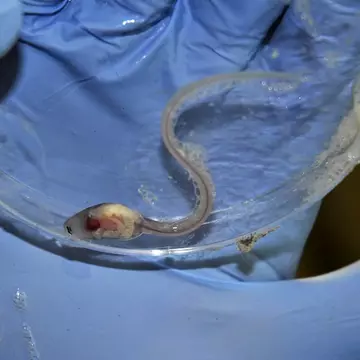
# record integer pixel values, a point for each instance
(261, 136)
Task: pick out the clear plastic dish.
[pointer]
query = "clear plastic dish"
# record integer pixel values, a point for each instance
(261, 137)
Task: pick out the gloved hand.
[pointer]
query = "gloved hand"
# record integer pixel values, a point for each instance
(10, 23)
(118, 63)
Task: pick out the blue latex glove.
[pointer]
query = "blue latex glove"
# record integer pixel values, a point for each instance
(100, 313)
(96, 54)
(10, 23)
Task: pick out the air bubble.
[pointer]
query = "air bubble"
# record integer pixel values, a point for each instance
(197, 203)
(197, 191)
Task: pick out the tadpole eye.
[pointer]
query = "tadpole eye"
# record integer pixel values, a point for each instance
(69, 230)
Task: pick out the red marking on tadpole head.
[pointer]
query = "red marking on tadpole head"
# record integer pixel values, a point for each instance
(92, 224)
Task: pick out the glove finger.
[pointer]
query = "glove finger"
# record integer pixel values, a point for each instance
(213, 36)
(319, 37)
(208, 31)
(10, 23)
(195, 39)
(130, 14)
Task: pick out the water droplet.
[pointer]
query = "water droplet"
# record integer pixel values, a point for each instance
(29, 338)
(20, 299)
